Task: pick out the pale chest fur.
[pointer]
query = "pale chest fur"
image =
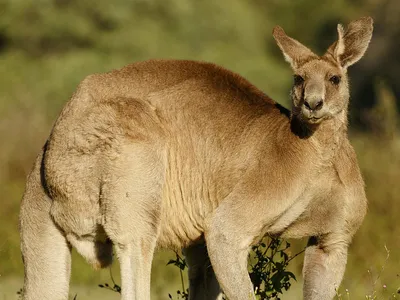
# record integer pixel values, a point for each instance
(318, 209)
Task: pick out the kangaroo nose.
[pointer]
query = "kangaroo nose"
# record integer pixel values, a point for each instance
(314, 104)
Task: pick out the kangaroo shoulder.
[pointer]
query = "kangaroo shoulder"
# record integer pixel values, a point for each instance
(350, 176)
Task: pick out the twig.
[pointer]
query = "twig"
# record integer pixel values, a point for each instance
(112, 278)
(297, 254)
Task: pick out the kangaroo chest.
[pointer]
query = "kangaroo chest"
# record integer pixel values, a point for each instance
(316, 210)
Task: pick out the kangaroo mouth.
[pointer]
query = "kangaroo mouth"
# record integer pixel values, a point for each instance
(314, 120)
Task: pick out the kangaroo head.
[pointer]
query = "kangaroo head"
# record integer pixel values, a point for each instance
(320, 90)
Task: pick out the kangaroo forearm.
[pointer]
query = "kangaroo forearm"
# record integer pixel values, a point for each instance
(323, 272)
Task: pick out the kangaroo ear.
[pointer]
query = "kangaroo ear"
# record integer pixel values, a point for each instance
(293, 51)
(352, 42)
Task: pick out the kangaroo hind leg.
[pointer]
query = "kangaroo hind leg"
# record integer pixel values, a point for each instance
(131, 200)
(45, 250)
(203, 284)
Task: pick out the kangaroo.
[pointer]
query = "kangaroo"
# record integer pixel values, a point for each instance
(183, 154)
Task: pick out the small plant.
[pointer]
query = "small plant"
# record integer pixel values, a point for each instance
(268, 263)
(20, 294)
(268, 272)
(180, 295)
(376, 291)
(114, 287)
(181, 264)
(373, 294)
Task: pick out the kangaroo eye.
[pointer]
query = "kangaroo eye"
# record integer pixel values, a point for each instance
(335, 79)
(298, 79)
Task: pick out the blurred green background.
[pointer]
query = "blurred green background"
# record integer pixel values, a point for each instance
(48, 46)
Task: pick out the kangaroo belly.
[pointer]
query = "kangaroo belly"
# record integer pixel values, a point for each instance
(183, 212)
(179, 228)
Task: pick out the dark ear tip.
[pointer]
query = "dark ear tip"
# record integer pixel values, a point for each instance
(278, 31)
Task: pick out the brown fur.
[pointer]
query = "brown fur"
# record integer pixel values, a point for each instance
(182, 153)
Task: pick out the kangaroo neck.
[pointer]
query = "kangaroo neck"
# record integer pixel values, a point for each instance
(325, 138)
